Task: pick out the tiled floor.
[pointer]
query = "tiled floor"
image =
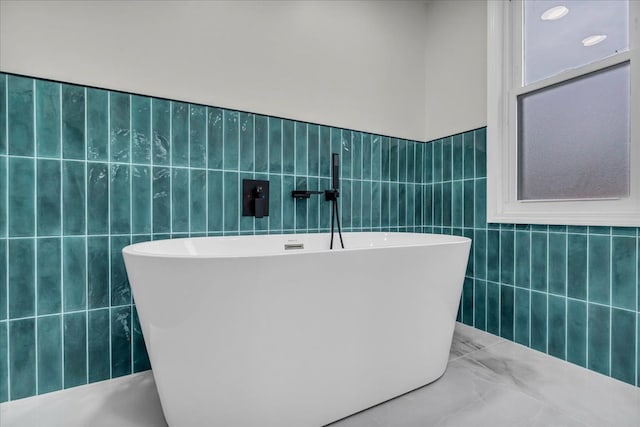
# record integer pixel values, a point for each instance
(489, 382)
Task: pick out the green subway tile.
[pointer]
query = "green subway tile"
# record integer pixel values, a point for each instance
(140, 356)
(161, 193)
(577, 266)
(506, 257)
(215, 141)
(231, 201)
(21, 197)
(446, 203)
(180, 200)
(577, 332)
(49, 275)
(120, 290)
(97, 198)
(4, 347)
(325, 151)
(345, 154)
(623, 345)
(288, 147)
(261, 141)
(20, 127)
(493, 255)
(402, 204)
(523, 259)
(521, 316)
(356, 156)
(75, 349)
(376, 204)
(557, 229)
(558, 263)
(523, 227)
(120, 199)
(402, 160)
(140, 129)
(577, 229)
(73, 197)
(480, 140)
(48, 201)
(457, 171)
(49, 354)
(428, 205)
(481, 203)
(120, 341)
(598, 338)
(356, 204)
(446, 159)
(48, 118)
(197, 136)
(599, 269)
(480, 304)
(456, 204)
(393, 204)
(313, 206)
(3, 195)
(97, 272)
(198, 201)
(275, 145)
(539, 261)
(120, 126)
(366, 204)
(385, 155)
(98, 361)
(539, 321)
(214, 208)
(506, 312)
(468, 197)
(437, 204)
(22, 358)
(275, 202)
(288, 203)
(97, 124)
(179, 134)
(301, 205)
(141, 199)
(557, 326)
(428, 163)
(623, 276)
(231, 139)
(602, 230)
(480, 254)
(418, 195)
(419, 162)
(366, 154)
(301, 141)
(345, 204)
(246, 142)
(469, 155)
(467, 302)
(493, 308)
(160, 131)
(73, 124)
(22, 280)
(3, 150)
(624, 231)
(74, 273)
(3, 281)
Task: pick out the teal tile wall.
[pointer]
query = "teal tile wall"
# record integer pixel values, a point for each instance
(85, 172)
(569, 291)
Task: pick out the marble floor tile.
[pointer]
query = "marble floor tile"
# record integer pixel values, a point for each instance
(466, 340)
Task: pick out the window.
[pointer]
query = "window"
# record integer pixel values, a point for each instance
(563, 112)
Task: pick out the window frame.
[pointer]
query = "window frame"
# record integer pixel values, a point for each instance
(504, 74)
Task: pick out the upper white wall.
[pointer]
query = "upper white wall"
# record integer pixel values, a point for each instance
(353, 64)
(456, 74)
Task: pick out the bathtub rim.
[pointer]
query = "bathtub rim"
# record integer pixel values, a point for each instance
(133, 249)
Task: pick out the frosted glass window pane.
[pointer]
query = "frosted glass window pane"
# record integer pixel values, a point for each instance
(573, 138)
(553, 46)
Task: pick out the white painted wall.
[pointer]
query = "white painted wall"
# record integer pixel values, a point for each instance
(353, 64)
(456, 73)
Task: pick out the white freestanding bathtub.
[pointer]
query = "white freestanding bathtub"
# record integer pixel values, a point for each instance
(243, 332)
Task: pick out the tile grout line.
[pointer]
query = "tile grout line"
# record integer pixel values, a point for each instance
(86, 242)
(109, 228)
